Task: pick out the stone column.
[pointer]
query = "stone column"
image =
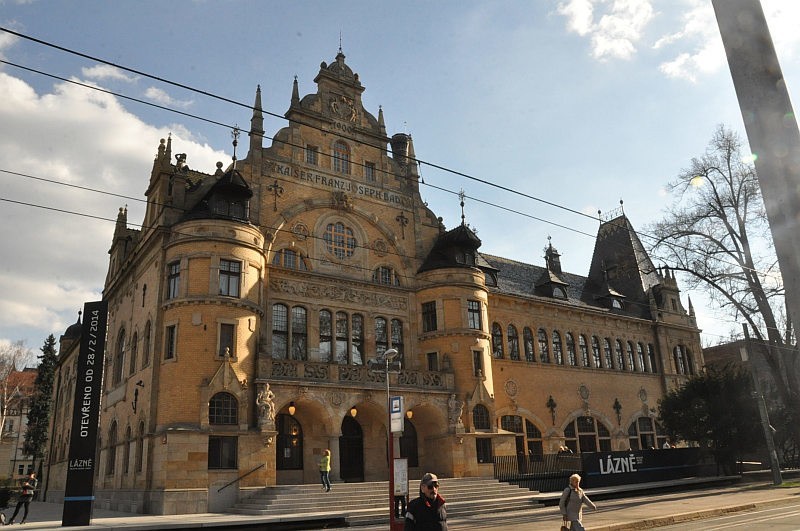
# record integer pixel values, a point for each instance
(333, 446)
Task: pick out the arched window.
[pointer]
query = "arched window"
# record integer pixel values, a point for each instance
(689, 363)
(651, 355)
(480, 417)
(111, 456)
(558, 353)
(397, 340)
(677, 355)
(620, 360)
(339, 240)
(386, 276)
(640, 357)
(527, 338)
(146, 345)
(290, 259)
(584, 351)
(134, 349)
(223, 409)
(381, 336)
(645, 434)
(513, 343)
(609, 363)
(126, 452)
(572, 359)
(341, 157)
(357, 340)
(596, 352)
(408, 443)
(497, 341)
(119, 358)
(342, 333)
(586, 434)
(299, 333)
(631, 363)
(139, 447)
(544, 354)
(529, 437)
(325, 337)
(289, 450)
(280, 331)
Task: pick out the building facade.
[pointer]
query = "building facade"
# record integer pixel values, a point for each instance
(17, 390)
(245, 314)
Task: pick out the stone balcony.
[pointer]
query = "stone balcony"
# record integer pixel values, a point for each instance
(358, 376)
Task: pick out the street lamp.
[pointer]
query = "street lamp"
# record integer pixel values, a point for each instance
(388, 357)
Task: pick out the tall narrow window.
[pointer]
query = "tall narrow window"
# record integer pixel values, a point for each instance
(119, 357)
(477, 362)
(171, 342)
(558, 353)
(631, 362)
(433, 361)
(357, 340)
(112, 449)
(608, 361)
(381, 336)
(397, 340)
(280, 332)
(651, 355)
(513, 343)
(474, 315)
(299, 333)
(584, 351)
(429, 316)
(341, 338)
(640, 357)
(527, 339)
(544, 351)
(126, 452)
(369, 172)
(312, 155)
(341, 157)
(571, 358)
(139, 447)
(227, 343)
(230, 274)
(134, 350)
(173, 279)
(497, 341)
(325, 335)
(620, 359)
(677, 355)
(596, 352)
(146, 345)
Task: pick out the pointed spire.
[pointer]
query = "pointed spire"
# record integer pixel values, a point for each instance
(381, 123)
(461, 197)
(295, 93)
(256, 123)
(691, 307)
(235, 134)
(412, 158)
(168, 153)
(122, 222)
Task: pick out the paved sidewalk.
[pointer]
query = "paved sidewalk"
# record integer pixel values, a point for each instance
(633, 512)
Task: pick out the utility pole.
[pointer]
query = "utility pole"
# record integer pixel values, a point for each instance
(747, 354)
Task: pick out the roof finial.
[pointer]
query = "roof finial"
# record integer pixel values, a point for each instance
(621, 206)
(340, 41)
(235, 134)
(461, 196)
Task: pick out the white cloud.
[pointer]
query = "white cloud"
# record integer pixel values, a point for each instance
(618, 30)
(699, 33)
(107, 72)
(54, 261)
(161, 97)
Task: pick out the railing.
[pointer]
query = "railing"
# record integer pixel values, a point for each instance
(240, 478)
(543, 473)
(354, 374)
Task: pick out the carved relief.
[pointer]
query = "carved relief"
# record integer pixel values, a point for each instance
(380, 247)
(338, 293)
(300, 231)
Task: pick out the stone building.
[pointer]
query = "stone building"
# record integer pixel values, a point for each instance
(245, 312)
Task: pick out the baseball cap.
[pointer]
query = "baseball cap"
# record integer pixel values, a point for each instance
(429, 478)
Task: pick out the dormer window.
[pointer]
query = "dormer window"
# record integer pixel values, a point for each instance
(559, 292)
(616, 304)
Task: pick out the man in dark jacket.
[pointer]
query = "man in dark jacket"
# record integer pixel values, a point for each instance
(427, 513)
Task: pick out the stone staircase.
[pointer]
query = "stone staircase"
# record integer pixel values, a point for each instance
(368, 503)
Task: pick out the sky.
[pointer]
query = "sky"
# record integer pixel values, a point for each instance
(566, 107)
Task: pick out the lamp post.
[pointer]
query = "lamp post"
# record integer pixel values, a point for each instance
(388, 357)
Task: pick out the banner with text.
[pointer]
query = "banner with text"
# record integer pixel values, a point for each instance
(79, 491)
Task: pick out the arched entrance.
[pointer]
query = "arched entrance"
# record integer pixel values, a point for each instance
(351, 451)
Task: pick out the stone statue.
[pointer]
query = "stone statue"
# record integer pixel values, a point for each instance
(455, 408)
(266, 406)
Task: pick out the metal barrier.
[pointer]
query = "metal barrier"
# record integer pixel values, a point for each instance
(543, 473)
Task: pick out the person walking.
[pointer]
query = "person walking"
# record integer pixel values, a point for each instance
(325, 470)
(428, 511)
(571, 504)
(28, 487)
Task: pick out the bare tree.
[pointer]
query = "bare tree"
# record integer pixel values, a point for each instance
(717, 232)
(13, 357)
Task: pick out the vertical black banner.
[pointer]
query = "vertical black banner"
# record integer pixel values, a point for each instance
(79, 491)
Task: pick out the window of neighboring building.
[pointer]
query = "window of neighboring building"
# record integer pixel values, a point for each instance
(572, 359)
(558, 352)
(325, 335)
(369, 172)
(480, 418)
(527, 341)
(339, 240)
(386, 276)
(477, 362)
(497, 341)
(429, 323)
(290, 259)
(223, 409)
(299, 333)
(433, 361)
(544, 349)
(227, 340)
(289, 452)
(171, 342)
(312, 155)
(483, 450)
(513, 343)
(474, 315)
(341, 157)
(222, 452)
(134, 350)
(280, 331)
(173, 279)
(119, 358)
(230, 275)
